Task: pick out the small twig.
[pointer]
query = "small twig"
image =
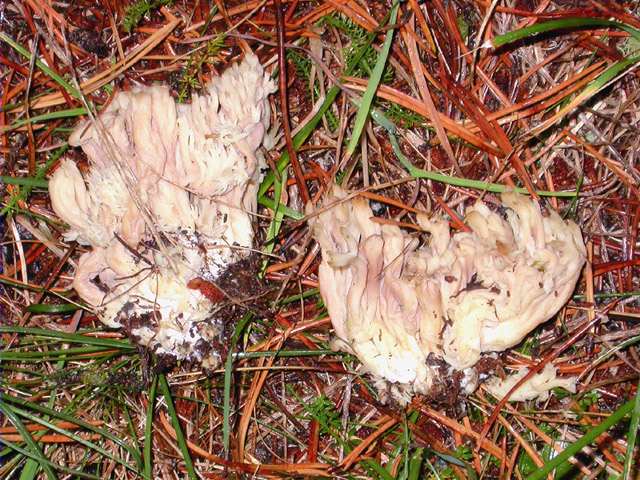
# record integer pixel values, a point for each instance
(284, 104)
(32, 148)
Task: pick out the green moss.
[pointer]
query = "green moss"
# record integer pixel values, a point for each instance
(188, 81)
(302, 65)
(139, 9)
(403, 116)
(359, 37)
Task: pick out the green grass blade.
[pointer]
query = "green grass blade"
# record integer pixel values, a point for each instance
(36, 419)
(148, 431)
(286, 354)
(69, 337)
(561, 24)
(71, 112)
(40, 174)
(571, 212)
(388, 125)
(610, 295)
(12, 355)
(45, 308)
(374, 466)
(30, 470)
(415, 464)
(616, 348)
(289, 212)
(27, 54)
(464, 182)
(583, 441)
(228, 371)
(604, 79)
(32, 288)
(70, 418)
(307, 130)
(632, 436)
(299, 139)
(25, 181)
(607, 76)
(9, 412)
(300, 296)
(175, 421)
(43, 461)
(276, 221)
(372, 85)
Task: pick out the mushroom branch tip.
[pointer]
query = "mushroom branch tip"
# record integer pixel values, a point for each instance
(403, 307)
(166, 199)
(537, 386)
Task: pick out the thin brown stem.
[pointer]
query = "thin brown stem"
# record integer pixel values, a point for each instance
(284, 104)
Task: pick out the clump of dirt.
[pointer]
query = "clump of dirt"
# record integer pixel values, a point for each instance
(244, 291)
(243, 283)
(447, 392)
(238, 290)
(91, 41)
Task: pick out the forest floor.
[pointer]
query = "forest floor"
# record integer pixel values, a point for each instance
(471, 97)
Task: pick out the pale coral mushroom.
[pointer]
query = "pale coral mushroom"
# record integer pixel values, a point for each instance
(537, 386)
(399, 307)
(167, 199)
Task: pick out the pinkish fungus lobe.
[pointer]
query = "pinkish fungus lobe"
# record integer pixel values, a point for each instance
(167, 199)
(457, 297)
